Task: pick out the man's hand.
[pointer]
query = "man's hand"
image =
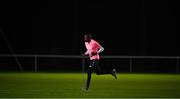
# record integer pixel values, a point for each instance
(83, 54)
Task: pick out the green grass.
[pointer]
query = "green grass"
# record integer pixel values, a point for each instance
(68, 85)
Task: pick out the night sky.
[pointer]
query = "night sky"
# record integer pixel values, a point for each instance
(123, 27)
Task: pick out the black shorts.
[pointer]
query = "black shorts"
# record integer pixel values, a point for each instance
(94, 66)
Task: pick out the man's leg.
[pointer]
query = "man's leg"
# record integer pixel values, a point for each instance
(99, 70)
(89, 72)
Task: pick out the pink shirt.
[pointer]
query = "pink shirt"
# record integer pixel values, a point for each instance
(92, 46)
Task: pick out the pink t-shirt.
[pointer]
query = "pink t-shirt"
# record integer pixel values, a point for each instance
(92, 46)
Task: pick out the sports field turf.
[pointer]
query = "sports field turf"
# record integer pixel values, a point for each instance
(69, 85)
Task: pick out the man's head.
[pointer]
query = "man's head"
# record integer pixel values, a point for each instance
(87, 37)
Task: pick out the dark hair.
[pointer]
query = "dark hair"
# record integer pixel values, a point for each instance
(89, 35)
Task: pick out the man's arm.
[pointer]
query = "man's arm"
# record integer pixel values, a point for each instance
(101, 49)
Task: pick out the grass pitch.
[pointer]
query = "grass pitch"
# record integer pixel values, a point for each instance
(68, 85)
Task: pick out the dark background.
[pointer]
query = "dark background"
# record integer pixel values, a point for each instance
(123, 27)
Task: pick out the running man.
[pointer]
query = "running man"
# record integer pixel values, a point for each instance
(93, 50)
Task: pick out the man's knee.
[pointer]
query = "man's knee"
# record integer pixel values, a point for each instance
(89, 70)
(98, 73)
